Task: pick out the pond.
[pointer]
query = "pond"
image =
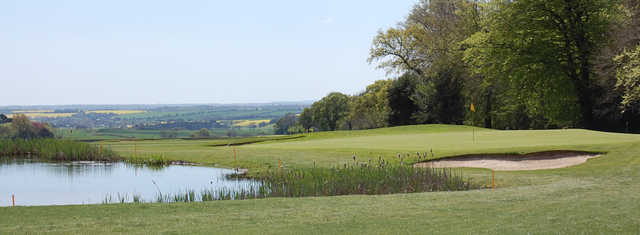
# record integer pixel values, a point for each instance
(64, 183)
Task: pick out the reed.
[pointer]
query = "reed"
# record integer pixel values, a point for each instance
(137, 199)
(357, 178)
(55, 149)
(150, 160)
(361, 178)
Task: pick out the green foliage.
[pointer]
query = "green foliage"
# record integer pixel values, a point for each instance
(544, 49)
(628, 74)
(295, 129)
(328, 113)
(6, 131)
(402, 46)
(4, 119)
(427, 45)
(371, 109)
(439, 98)
(22, 127)
(285, 123)
(306, 119)
(525, 64)
(202, 133)
(402, 106)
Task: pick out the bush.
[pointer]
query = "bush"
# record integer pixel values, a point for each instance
(23, 128)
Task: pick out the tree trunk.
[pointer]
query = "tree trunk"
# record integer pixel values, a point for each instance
(585, 93)
(487, 117)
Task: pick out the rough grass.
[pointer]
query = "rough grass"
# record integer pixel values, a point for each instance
(600, 196)
(55, 149)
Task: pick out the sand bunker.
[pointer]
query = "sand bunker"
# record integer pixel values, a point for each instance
(514, 162)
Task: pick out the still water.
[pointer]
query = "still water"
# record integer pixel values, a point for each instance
(54, 183)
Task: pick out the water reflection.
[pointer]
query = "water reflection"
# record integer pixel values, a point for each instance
(54, 183)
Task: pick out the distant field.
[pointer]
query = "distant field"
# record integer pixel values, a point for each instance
(112, 134)
(215, 113)
(244, 123)
(43, 114)
(34, 111)
(118, 112)
(51, 114)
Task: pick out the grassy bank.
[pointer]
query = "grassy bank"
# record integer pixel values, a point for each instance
(599, 196)
(55, 149)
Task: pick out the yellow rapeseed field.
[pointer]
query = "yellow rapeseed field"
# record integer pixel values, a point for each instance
(43, 114)
(34, 111)
(118, 112)
(243, 123)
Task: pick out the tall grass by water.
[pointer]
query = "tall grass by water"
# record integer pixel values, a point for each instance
(55, 149)
(357, 178)
(362, 179)
(151, 160)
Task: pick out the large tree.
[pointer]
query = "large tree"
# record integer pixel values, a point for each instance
(546, 47)
(371, 108)
(328, 113)
(427, 46)
(624, 35)
(629, 78)
(400, 102)
(283, 124)
(23, 128)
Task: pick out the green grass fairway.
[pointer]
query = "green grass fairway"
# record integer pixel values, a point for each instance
(334, 148)
(600, 196)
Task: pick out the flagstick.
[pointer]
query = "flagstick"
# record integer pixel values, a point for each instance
(474, 132)
(473, 126)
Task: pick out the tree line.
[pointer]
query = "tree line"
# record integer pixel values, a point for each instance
(524, 64)
(20, 127)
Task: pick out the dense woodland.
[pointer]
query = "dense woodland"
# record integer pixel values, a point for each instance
(525, 64)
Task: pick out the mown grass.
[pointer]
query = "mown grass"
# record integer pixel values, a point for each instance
(598, 197)
(251, 140)
(329, 149)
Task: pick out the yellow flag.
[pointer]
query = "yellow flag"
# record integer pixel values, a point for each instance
(473, 108)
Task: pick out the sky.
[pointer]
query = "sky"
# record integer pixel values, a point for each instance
(195, 51)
